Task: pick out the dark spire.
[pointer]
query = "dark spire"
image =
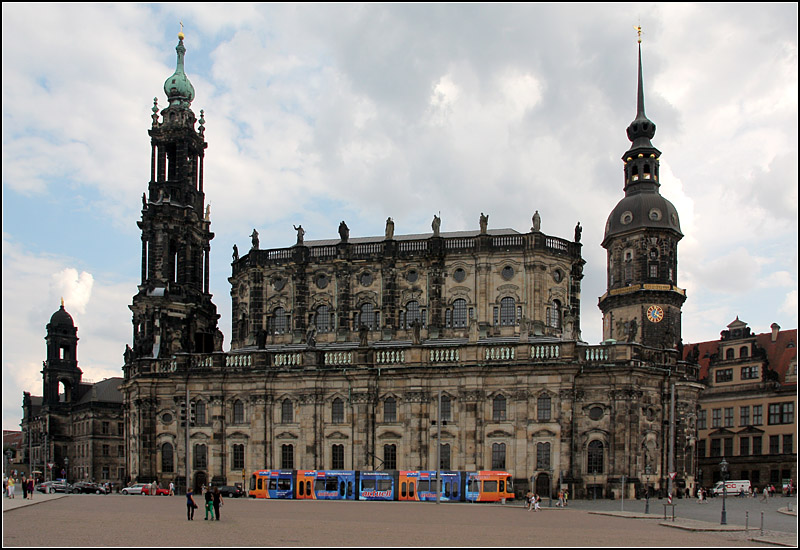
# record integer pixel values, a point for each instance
(642, 129)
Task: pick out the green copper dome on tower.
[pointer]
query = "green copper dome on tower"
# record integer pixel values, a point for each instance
(177, 87)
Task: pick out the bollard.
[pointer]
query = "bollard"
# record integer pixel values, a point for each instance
(762, 523)
(746, 520)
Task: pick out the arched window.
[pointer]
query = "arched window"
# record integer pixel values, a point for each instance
(543, 456)
(499, 408)
(554, 314)
(238, 456)
(498, 456)
(323, 319)
(390, 410)
(543, 408)
(238, 412)
(744, 352)
(287, 411)
(729, 353)
(459, 313)
(287, 457)
(412, 314)
(595, 457)
(368, 317)
(337, 411)
(507, 312)
(200, 413)
(278, 323)
(167, 461)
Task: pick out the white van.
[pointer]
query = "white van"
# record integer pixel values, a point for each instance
(733, 487)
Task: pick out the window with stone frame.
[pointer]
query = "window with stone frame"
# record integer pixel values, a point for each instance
(757, 445)
(499, 408)
(444, 456)
(459, 313)
(744, 416)
(729, 417)
(498, 456)
(554, 314)
(758, 416)
(723, 375)
(774, 445)
(787, 444)
(595, 462)
(728, 444)
(543, 407)
(337, 457)
(287, 457)
(238, 412)
(337, 411)
(508, 312)
(390, 410)
(238, 456)
(323, 319)
(390, 456)
(445, 413)
(278, 323)
(287, 411)
(716, 418)
(411, 314)
(167, 458)
(543, 456)
(702, 419)
(368, 317)
(749, 373)
(200, 457)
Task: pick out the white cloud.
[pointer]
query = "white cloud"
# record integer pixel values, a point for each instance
(75, 289)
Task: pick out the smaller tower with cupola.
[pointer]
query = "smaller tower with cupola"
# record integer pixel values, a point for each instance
(60, 370)
(643, 302)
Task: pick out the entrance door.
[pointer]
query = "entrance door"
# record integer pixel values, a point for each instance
(199, 480)
(543, 486)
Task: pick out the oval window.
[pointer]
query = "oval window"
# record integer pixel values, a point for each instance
(508, 272)
(459, 275)
(412, 276)
(626, 218)
(596, 413)
(322, 280)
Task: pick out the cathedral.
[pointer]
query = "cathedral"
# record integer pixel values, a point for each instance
(452, 350)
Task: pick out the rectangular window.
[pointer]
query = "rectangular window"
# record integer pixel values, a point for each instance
(106, 427)
(106, 472)
(390, 410)
(337, 457)
(774, 413)
(749, 373)
(702, 419)
(787, 413)
(744, 416)
(724, 375)
(390, 457)
(728, 446)
(757, 449)
(200, 459)
(120, 428)
(287, 457)
(653, 271)
(729, 417)
(121, 450)
(499, 456)
(106, 450)
(701, 448)
(774, 447)
(787, 444)
(758, 415)
(444, 456)
(716, 447)
(716, 418)
(238, 457)
(744, 446)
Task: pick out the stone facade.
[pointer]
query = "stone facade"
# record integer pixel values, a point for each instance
(341, 351)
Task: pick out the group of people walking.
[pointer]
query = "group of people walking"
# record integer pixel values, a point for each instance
(26, 484)
(213, 503)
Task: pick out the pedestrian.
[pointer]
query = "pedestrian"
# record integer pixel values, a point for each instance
(528, 500)
(24, 487)
(153, 488)
(11, 482)
(566, 497)
(171, 489)
(764, 494)
(209, 499)
(217, 502)
(30, 488)
(190, 505)
(536, 500)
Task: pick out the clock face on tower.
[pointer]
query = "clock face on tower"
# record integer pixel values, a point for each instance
(655, 314)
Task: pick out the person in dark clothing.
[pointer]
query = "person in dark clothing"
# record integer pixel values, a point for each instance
(209, 496)
(190, 505)
(217, 502)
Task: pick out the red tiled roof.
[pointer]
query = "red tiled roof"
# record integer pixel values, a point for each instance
(780, 353)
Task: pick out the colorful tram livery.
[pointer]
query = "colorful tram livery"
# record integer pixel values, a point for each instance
(484, 486)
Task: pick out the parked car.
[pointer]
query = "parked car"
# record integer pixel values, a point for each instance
(89, 487)
(54, 487)
(137, 489)
(159, 491)
(231, 491)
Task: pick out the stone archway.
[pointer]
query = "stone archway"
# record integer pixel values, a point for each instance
(200, 479)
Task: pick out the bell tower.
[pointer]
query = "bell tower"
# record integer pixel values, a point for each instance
(173, 311)
(643, 302)
(61, 366)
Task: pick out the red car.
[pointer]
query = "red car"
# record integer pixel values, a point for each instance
(159, 491)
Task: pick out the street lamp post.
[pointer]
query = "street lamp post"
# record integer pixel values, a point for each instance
(66, 469)
(724, 470)
(647, 489)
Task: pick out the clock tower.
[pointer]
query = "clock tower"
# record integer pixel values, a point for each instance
(643, 302)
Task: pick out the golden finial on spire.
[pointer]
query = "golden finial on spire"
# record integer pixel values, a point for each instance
(639, 32)
(180, 34)
(62, 301)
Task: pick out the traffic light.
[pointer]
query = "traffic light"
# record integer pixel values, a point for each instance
(192, 413)
(182, 413)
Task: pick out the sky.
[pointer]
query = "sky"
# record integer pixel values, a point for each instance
(318, 113)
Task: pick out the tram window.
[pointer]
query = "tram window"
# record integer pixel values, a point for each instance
(403, 489)
(384, 484)
(273, 484)
(284, 484)
(367, 484)
(490, 486)
(308, 488)
(349, 488)
(473, 486)
(411, 489)
(502, 486)
(447, 489)
(341, 489)
(260, 484)
(331, 484)
(319, 485)
(423, 485)
(455, 490)
(509, 485)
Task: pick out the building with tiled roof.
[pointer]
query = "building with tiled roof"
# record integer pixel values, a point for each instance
(747, 413)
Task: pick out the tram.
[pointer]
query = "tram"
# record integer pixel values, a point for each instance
(404, 485)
